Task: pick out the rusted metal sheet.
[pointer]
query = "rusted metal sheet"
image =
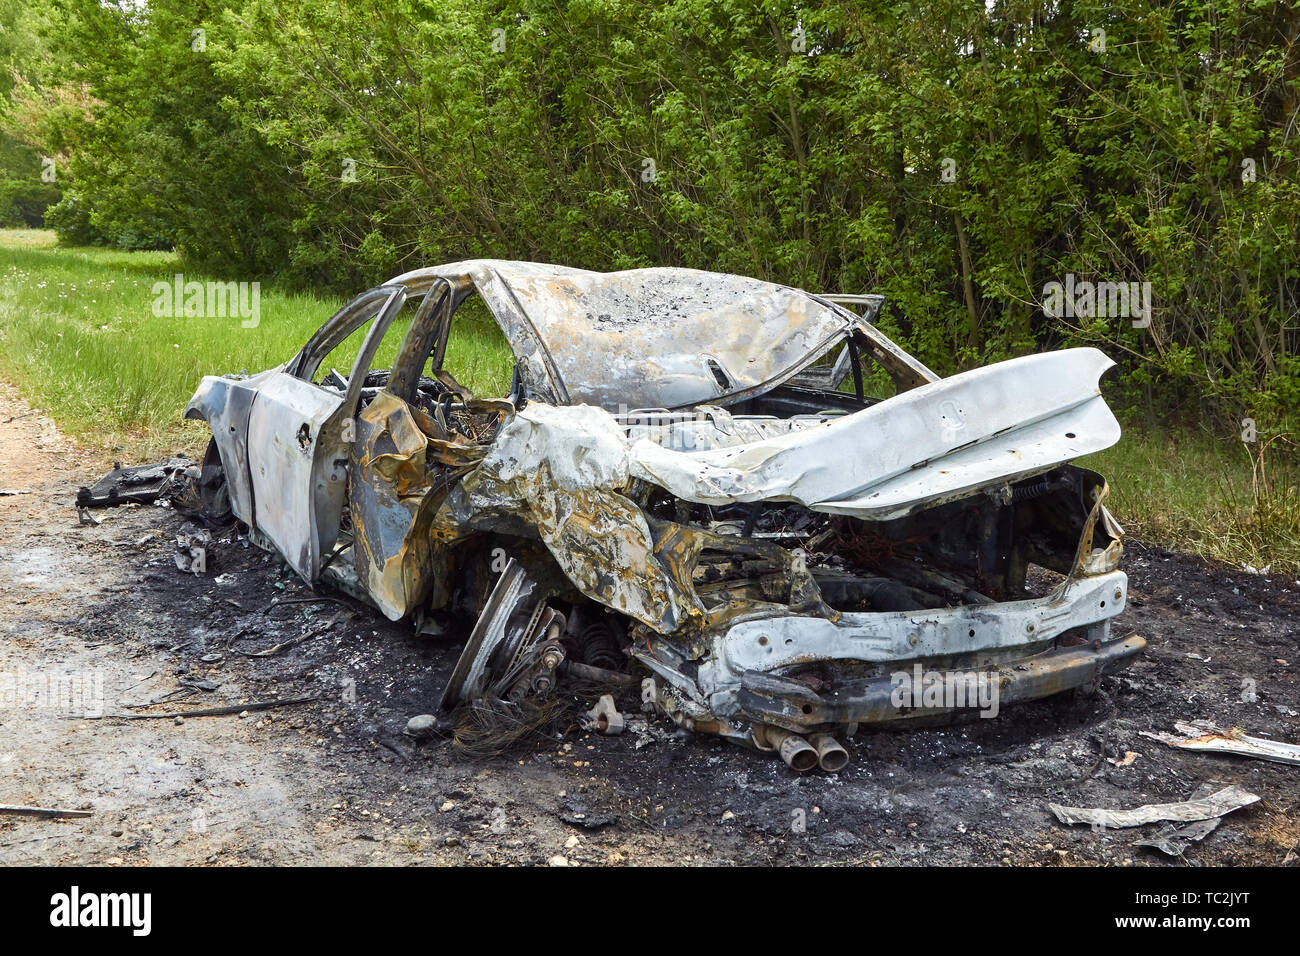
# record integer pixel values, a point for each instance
(1234, 741)
(649, 337)
(566, 469)
(402, 472)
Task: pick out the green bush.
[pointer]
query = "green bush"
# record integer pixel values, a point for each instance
(23, 202)
(71, 223)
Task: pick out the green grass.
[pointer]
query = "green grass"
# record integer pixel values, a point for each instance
(1188, 492)
(78, 336)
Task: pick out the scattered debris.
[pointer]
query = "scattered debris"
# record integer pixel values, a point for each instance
(1215, 805)
(293, 641)
(605, 718)
(589, 821)
(198, 683)
(1174, 841)
(421, 726)
(43, 811)
(314, 599)
(647, 732)
(192, 546)
(6, 492)
(1233, 741)
(142, 484)
(577, 812)
(1126, 760)
(85, 517)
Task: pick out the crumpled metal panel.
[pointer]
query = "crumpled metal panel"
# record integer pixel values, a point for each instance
(935, 443)
(567, 468)
(400, 478)
(648, 337)
(564, 468)
(711, 428)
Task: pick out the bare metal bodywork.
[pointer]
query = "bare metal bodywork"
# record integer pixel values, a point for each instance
(680, 483)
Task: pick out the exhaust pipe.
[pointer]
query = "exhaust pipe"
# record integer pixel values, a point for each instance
(830, 755)
(797, 753)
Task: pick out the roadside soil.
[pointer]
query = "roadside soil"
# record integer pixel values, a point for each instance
(335, 781)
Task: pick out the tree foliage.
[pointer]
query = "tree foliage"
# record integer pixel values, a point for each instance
(956, 156)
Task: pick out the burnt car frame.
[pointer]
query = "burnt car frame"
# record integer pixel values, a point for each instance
(680, 484)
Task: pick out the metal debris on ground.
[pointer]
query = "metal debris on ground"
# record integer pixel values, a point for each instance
(7, 808)
(576, 812)
(1215, 805)
(233, 709)
(605, 718)
(140, 484)
(1174, 841)
(1234, 741)
(192, 547)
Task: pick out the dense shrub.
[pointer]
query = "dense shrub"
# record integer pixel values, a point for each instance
(71, 223)
(23, 202)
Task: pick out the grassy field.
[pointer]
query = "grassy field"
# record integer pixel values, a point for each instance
(79, 337)
(1191, 493)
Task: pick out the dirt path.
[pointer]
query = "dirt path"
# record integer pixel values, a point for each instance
(335, 781)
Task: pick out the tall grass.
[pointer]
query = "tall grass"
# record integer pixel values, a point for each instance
(79, 337)
(1188, 492)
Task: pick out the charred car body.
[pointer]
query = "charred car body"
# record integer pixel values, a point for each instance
(679, 483)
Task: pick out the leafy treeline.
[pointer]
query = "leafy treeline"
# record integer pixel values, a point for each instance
(27, 188)
(956, 157)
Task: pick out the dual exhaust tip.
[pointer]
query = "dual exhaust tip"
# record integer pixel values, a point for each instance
(802, 754)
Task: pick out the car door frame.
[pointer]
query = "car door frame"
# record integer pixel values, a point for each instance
(300, 436)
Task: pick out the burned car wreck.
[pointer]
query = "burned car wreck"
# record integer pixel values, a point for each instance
(688, 485)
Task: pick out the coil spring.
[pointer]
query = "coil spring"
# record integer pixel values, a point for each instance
(1030, 492)
(600, 647)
